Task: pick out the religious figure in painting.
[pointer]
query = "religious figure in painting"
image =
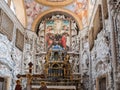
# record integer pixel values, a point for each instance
(81, 10)
(65, 28)
(64, 40)
(57, 39)
(49, 29)
(49, 40)
(57, 26)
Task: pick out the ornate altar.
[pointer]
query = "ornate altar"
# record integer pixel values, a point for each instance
(57, 64)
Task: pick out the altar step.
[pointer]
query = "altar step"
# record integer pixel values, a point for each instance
(53, 89)
(56, 87)
(62, 84)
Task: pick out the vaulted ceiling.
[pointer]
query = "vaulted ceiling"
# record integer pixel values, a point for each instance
(30, 11)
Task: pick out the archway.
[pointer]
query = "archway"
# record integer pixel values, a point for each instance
(61, 10)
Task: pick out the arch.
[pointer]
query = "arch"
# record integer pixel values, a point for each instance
(55, 3)
(55, 65)
(76, 18)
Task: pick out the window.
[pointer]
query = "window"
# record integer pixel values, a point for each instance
(12, 7)
(6, 1)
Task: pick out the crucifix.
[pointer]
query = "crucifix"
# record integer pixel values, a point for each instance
(29, 76)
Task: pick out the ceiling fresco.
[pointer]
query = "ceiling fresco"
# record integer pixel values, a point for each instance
(80, 8)
(34, 8)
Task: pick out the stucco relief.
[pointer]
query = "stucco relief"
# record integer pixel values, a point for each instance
(75, 44)
(10, 60)
(101, 53)
(27, 56)
(101, 45)
(102, 67)
(39, 67)
(75, 64)
(40, 64)
(85, 62)
(84, 55)
(3, 49)
(41, 41)
(17, 57)
(100, 57)
(5, 52)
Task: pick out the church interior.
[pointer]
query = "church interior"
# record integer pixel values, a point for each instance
(68, 44)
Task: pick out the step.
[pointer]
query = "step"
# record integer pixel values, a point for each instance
(36, 87)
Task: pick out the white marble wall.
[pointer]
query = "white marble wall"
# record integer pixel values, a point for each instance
(100, 56)
(10, 55)
(29, 50)
(84, 51)
(10, 61)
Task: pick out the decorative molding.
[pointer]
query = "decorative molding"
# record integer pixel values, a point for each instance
(55, 3)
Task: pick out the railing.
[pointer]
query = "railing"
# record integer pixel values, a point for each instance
(59, 82)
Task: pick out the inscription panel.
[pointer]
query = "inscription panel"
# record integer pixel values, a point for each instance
(6, 25)
(19, 40)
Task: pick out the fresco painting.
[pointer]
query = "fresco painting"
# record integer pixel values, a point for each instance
(57, 32)
(80, 8)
